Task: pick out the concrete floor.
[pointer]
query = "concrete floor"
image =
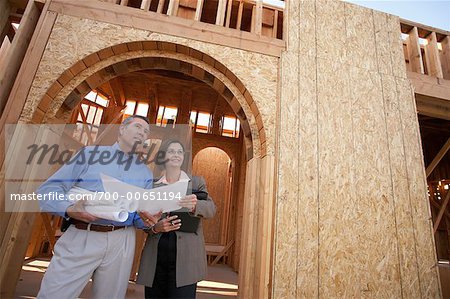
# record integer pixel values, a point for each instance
(221, 283)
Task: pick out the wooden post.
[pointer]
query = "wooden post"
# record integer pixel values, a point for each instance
(258, 17)
(145, 5)
(438, 158)
(220, 16)
(445, 57)
(249, 229)
(229, 10)
(415, 55)
(173, 7)
(441, 212)
(160, 6)
(5, 8)
(17, 51)
(275, 24)
(198, 10)
(239, 17)
(432, 54)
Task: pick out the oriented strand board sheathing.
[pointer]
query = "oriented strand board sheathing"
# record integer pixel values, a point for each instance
(428, 271)
(286, 242)
(396, 46)
(361, 51)
(374, 240)
(331, 31)
(77, 35)
(383, 45)
(307, 223)
(339, 257)
(400, 190)
(307, 27)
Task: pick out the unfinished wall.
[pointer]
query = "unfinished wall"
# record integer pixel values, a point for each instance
(352, 209)
(74, 38)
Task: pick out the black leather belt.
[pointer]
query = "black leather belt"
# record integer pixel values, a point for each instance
(95, 227)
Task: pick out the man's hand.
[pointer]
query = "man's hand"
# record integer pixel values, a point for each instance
(189, 201)
(77, 211)
(149, 219)
(167, 224)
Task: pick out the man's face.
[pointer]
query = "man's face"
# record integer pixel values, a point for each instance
(136, 131)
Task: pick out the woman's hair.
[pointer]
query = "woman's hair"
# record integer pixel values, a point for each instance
(165, 146)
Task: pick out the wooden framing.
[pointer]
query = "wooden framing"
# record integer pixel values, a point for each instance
(432, 53)
(414, 52)
(441, 212)
(17, 51)
(438, 158)
(127, 16)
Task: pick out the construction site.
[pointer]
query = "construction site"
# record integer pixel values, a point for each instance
(321, 127)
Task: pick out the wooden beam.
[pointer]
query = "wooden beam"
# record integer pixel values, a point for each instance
(5, 9)
(275, 25)
(145, 5)
(229, 11)
(220, 16)
(438, 158)
(438, 206)
(136, 18)
(441, 212)
(258, 17)
(198, 10)
(432, 54)
(239, 16)
(49, 231)
(222, 253)
(445, 57)
(173, 7)
(160, 6)
(16, 54)
(415, 55)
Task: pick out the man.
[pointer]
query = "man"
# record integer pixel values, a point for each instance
(93, 247)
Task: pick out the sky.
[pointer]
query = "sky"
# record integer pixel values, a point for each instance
(431, 13)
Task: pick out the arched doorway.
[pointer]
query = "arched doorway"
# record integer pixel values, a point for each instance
(65, 94)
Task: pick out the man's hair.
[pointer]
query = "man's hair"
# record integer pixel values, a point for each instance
(129, 119)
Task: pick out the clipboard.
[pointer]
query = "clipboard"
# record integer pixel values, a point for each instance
(189, 222)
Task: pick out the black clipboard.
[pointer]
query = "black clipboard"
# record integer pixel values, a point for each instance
(190, 222)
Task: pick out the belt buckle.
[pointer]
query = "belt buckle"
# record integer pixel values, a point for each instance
(112, 227)
(89, 227)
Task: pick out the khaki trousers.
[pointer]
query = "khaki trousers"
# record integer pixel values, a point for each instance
(79, 255)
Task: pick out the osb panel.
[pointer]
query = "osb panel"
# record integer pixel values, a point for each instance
(331, 30)
(396, 46)
(427, 261)
(212, 164)
(402, 205)
(383, 44)
(308, 176)
(375, 238)
(307, 27)
(77, 35)
(340, 262)
(360, 37)
(286, 242)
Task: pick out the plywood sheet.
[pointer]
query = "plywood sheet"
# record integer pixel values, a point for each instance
(286, 241)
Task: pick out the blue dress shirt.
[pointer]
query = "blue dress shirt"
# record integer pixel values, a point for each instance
(84, 171)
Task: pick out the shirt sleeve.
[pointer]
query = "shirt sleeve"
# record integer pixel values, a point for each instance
(60, 183)
(137, 221)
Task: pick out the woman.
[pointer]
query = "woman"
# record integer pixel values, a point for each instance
(173, 261)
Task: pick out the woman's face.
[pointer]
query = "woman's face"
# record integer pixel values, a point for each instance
(174, 155)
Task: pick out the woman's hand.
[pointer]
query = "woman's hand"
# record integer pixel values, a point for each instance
(167, 224)
(149, 219)
(189, 201)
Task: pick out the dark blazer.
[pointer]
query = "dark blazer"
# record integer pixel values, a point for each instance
(191, 254)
